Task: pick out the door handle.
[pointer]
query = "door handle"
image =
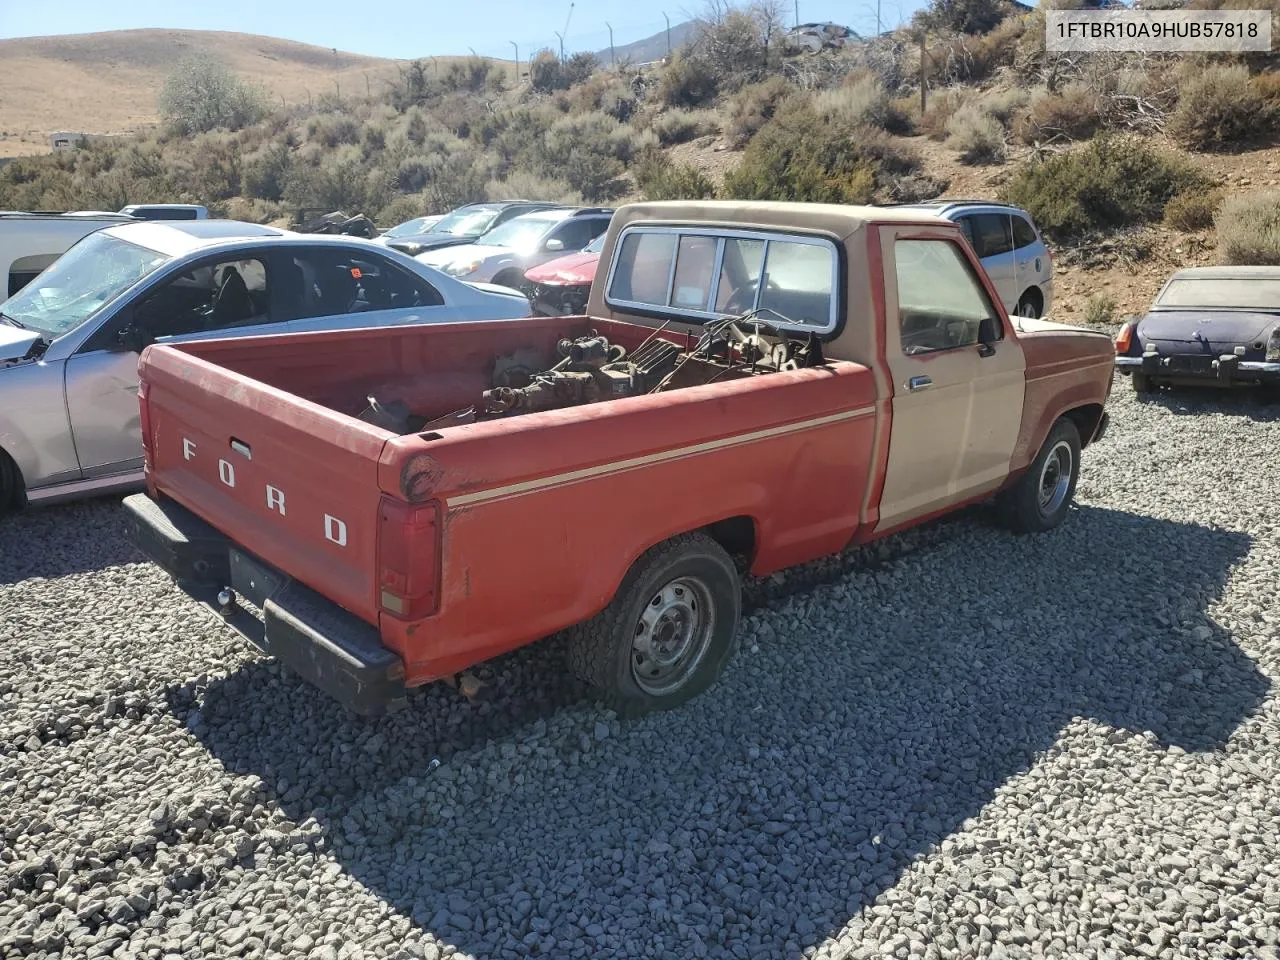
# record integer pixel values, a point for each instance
(919, 383)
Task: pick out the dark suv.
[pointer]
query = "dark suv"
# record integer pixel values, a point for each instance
(466, 223)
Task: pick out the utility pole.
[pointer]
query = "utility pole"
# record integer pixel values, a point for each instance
(517, 48)
(924, 56)
(797, 13)
(668, 19)
(566, 31)
(613, 60)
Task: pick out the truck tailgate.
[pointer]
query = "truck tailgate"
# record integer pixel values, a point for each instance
(290, 481)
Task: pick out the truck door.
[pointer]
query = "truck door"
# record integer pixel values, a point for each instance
(957, 377)
(217, 297)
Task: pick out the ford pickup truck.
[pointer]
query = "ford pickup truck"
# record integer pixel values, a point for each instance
(753, 386)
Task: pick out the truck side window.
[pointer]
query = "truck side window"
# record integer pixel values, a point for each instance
(212, 296)
(941, 303)
(695, 259)
(644, 267)
(798, 283)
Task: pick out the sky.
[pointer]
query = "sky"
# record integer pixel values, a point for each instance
(393, 28)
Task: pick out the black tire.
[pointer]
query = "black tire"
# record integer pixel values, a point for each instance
(603, 650)
(10, 484)
(1142, 383)
(509, 278)
(1039, 501)
(1029, 306)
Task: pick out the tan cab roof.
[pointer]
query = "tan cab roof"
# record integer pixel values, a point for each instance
(837, 219)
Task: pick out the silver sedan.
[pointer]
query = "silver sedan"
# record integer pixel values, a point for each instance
(69, 340)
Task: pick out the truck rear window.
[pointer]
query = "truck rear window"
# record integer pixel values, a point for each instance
(705, 274)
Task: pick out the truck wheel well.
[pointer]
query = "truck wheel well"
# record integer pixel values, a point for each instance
(1086, 419)
(737, 535)
(1033, 296)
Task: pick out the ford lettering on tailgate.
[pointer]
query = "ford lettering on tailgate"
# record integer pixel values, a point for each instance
(334, 529)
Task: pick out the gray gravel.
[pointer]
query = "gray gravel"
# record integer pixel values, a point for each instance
(966, 744)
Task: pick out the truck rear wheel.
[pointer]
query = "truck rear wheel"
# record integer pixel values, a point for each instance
(668, 632)
(1039, 501)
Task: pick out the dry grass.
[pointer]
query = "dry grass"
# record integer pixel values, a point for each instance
(108, 82)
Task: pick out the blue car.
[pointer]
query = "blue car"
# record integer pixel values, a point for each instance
(1208, 325)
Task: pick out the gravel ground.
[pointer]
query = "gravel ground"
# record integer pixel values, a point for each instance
(961, 744)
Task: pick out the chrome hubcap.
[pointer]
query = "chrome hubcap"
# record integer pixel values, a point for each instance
(672, 636)
(1055, 478)
(1028, 311)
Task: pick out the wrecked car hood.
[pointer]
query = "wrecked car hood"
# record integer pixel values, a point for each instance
(15, 342)
(575, 268)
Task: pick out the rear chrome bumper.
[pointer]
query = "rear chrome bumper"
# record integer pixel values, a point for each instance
(1225, 368)
(321, 642)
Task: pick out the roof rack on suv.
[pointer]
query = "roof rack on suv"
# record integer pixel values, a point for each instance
(586, 210)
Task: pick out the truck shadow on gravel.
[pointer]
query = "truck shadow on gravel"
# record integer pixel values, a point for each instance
(859, 726)
(64, 539)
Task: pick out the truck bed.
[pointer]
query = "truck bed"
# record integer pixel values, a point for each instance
(534, 510)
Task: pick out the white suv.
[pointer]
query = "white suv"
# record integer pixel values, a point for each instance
(1010, 247)
(502, 255)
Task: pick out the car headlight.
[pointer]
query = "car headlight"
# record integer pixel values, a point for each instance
(460, 268)
(1273, 346)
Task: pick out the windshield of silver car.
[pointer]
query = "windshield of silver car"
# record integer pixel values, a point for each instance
(1241, 293)
(466, 223)
(84, 279)
(520, 233)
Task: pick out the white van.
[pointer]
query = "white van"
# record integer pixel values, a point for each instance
(29, 242)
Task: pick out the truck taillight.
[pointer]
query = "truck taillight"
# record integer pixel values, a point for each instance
(144, 423)
(409, 558)
(1124, 340)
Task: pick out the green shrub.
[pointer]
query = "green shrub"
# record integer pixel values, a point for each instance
(658, 178)
(1072, 114)
(1005, 104)
(681, 126)
(862, 100)
(1111, 181)
(1192, 210)
(976, 135)
(687, 82)
(796, 156)
(962, 16)
(754, 105)
(523, 185)
(474, 74)
(1248, 228)
(548, 73)
(590, 153)
(333, 129)
(1219, 108)
(938, 110)
(203, 94)
(1100, 311)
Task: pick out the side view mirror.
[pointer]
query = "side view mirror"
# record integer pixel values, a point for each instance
(133, 338)
(555, 244)
(988, 334)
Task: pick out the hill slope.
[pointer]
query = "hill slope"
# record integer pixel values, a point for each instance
(108, 82)
(651, 48)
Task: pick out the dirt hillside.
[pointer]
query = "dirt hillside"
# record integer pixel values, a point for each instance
(108, 82)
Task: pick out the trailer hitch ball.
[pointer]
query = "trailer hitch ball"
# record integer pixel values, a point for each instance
(226, 600)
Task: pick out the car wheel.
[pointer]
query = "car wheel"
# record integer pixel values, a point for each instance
(1039, 501)
(668, 632)
(509, 278)
(1142, 383)
(10, 484)
(1029, 306)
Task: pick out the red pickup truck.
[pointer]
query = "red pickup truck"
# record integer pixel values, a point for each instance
(755, 385)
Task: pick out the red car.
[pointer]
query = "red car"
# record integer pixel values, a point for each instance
(560, 287)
